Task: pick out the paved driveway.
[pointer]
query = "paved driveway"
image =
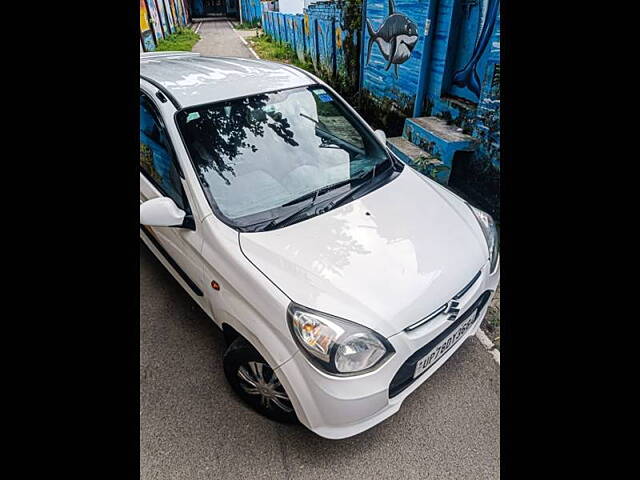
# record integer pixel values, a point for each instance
(192, 426)
(219, 39)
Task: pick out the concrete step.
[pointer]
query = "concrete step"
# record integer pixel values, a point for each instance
(417, 158)
(212, 18)
(433, 135)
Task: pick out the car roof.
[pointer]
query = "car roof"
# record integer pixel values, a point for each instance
(192, 79)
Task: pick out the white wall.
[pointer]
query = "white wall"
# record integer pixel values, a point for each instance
(291, 6)
(294, 6)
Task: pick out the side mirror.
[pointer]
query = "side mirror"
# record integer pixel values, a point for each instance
(162, 212)
(381, 135)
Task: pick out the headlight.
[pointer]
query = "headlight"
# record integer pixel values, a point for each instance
(335, 345)
(490, 234)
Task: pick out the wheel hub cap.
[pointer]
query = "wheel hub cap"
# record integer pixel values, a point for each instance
(259, 379)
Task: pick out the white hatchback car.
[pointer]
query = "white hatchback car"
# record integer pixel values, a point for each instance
(341, 278)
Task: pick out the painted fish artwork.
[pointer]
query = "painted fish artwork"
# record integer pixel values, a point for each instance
(467, 77)
(396, 38)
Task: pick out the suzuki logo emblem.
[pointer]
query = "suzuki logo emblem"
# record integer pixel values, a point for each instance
(451, 309)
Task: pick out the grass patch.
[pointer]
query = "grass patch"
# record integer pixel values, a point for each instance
(245, 26)
(268, 49)
(183, 40)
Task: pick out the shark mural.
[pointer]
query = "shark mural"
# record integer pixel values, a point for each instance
(396, 38)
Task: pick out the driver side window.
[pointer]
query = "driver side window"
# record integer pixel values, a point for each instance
(156, 157)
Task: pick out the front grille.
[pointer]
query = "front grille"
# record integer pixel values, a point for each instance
(437, 312)
(404, 376)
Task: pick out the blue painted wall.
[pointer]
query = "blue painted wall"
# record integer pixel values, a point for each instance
(317, 36)
(453, 71)
(291, 34)
(299, 36)
(452, 49)
(251, 11)
(377, 80)
(282, 29)
(326, 45)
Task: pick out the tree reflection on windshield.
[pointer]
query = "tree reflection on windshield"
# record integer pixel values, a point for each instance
(257, 156)
(218, 135)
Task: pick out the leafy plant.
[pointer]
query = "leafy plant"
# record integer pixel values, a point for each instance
(268, 49)
(430, 166)
(247, 25)
(182, 40)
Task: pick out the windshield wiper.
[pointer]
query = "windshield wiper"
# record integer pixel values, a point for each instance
(321, 190)
(275, 223)
(344, 198)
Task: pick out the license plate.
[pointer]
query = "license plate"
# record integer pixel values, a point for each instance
(444, 346)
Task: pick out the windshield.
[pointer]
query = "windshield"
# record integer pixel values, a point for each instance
(256, 156)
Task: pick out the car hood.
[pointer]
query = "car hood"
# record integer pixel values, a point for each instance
(385, 260)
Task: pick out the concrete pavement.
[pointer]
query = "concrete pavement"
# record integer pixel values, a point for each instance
(219, 39)
(192, 426)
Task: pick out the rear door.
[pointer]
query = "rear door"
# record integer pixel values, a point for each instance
(160, 177)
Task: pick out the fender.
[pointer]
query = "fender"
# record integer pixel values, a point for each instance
(246, 300)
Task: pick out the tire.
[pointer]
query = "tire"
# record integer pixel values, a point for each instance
(255, 382)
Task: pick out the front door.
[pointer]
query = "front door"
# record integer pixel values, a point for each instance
(160, 177)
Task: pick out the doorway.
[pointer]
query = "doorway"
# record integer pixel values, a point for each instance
(214, 8)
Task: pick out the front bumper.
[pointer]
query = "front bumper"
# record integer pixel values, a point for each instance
(340, 407)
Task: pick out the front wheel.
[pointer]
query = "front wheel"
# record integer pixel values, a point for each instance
(255, 381)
